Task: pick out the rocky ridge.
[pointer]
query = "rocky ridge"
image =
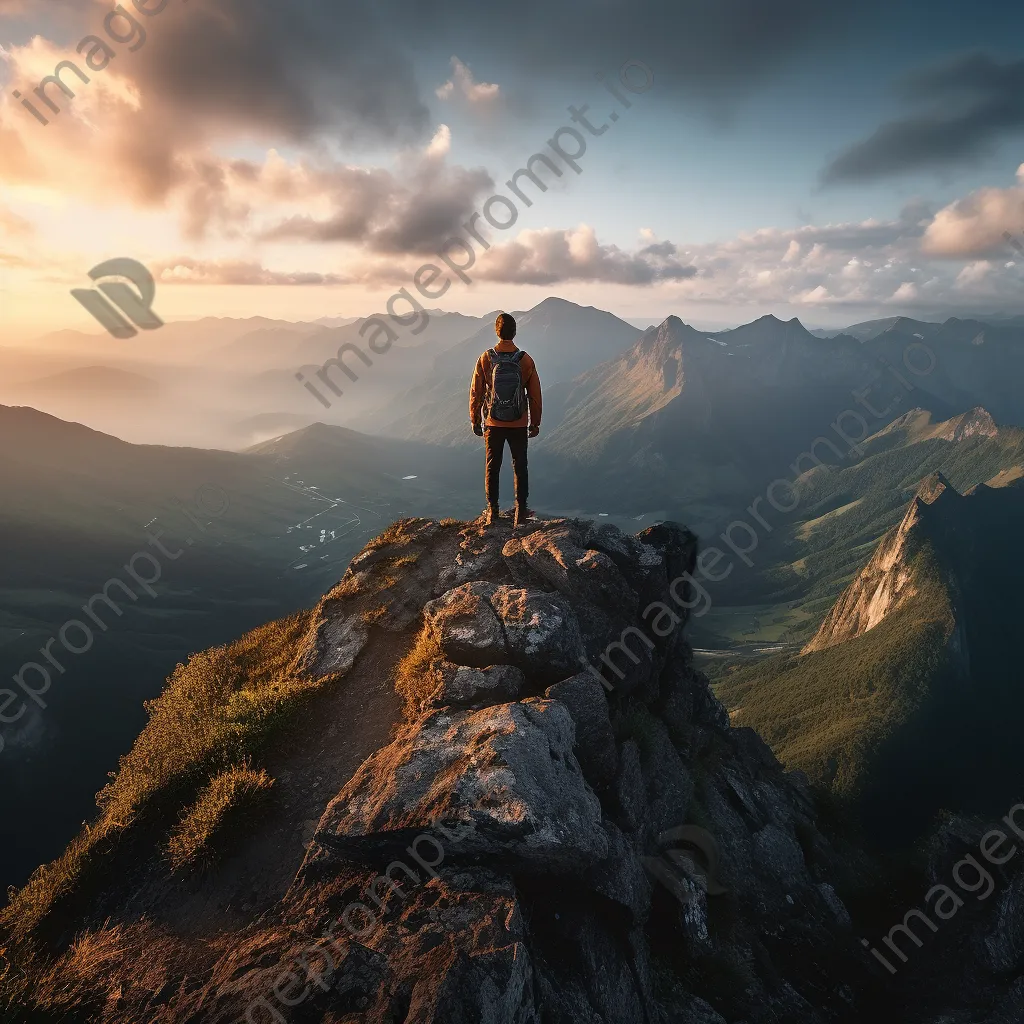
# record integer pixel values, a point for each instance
(520, 797)
(888, 580)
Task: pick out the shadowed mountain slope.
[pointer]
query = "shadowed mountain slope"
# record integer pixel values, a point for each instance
(905, 700)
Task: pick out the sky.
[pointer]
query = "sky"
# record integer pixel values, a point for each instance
(835, 162)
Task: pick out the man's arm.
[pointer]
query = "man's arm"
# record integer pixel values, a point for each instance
(477, 389)
(533, 395)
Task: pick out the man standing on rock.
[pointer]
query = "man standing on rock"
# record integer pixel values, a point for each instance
(507, 389)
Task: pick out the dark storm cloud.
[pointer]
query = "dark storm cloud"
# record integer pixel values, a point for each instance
(975, 103)
(711, 46)
(310, 67)
(296, 68)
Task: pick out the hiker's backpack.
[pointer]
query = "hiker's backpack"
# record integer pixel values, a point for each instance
(506, 386)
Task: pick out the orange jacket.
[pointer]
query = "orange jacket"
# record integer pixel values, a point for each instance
(482, 385)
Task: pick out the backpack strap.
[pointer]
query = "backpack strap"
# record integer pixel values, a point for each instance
(517, 356)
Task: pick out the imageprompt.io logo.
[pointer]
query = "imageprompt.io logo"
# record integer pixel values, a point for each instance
(688, 863)
(135, 304)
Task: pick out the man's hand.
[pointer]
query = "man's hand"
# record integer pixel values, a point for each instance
(534, 431)
(478, 430)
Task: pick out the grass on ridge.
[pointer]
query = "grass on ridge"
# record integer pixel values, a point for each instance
(216, 710)
(221, 806)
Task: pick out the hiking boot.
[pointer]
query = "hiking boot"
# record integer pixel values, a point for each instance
(491, 515)
(522, 514)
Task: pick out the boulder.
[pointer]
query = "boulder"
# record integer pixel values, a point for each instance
(504, 778)
(558, 559)
(481, 624)
(466, 627)
(541, 632)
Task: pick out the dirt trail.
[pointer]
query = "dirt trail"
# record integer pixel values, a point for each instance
(310, 763)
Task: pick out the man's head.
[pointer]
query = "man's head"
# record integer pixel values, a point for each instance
(505, 327)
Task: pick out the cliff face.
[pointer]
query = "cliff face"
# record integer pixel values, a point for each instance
(890, 579)
(536, 841)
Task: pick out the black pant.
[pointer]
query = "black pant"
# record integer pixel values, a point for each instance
(494, 447)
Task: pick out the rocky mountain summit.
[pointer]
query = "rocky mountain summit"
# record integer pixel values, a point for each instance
(535, 841)
(520, 797)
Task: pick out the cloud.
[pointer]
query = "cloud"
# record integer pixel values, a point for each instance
(379, 210)
(441, 143)
(907, 292)
(975, 103)
(973, 274)
(978, 224)
(236, 272)
(302, 73)
(866, 234)
(554, 256)
(462, 84)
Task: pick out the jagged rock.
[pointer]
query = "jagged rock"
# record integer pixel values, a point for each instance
(835, 904)
(482, 624)
(503, 853)
(603, 642)
(1011, 1006)
(455, 952)
(708, 709)
(478, 555)
(558, 559)
(585, 973)
(463, 685)
(507, 772)
(466, 626)
(595, 747)
(676, 543)
(620, 876)
(753, 747)
(696, 1011)
(778, 856)
(541, 631)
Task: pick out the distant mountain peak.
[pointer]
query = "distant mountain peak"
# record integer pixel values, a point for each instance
(556, 302)
(977, 422)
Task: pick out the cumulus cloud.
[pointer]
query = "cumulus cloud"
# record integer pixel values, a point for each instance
(973, 274)
(462, 84)
(552, 256)
(978, 224)
(142, 129)
(975, 102)
(907, 292)
(379, 210)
